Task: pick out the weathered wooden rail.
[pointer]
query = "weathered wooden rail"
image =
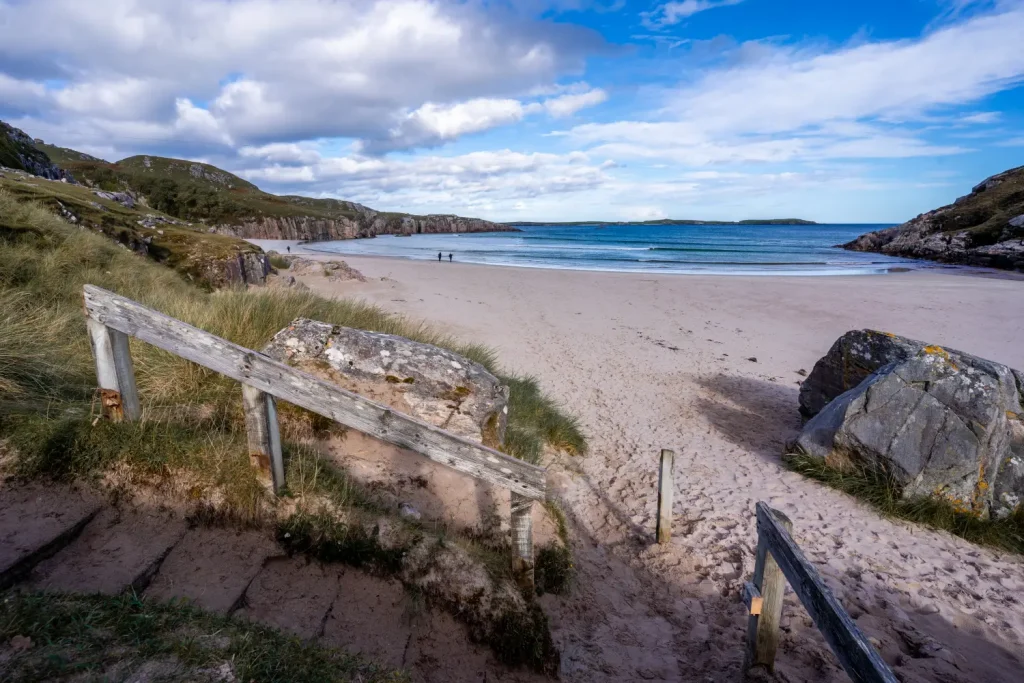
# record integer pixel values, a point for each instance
(113, 318)
(779, 559)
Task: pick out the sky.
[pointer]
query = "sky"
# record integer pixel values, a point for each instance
(847, 112)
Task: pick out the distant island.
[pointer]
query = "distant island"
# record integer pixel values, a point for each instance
(669, 221)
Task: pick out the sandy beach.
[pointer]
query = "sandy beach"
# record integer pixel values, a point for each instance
(710, 366)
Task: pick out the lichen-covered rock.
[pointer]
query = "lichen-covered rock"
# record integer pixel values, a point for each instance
(852, 358)
(422, 380)
(941, 422)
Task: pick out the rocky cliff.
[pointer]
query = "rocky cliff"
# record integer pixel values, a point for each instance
(362, 222)
(984, 228)
(18, 151)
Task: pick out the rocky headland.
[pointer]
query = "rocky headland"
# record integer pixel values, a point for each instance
(983, 228)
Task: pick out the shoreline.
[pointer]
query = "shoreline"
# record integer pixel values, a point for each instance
(302, 248)
(710, 366)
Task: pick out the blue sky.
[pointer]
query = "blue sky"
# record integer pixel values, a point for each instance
(534, 110)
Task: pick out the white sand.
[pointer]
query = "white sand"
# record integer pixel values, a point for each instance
(653, 362)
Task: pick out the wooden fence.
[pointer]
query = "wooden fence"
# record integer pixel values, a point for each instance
(112, 319)
(779, 559)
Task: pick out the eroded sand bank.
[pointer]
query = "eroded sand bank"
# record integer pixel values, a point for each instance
(653, 362)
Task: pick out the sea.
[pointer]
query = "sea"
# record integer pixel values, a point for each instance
(683, 249)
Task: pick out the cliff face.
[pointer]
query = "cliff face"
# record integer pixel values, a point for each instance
(18, 151)
(363, 223)
(984, 228)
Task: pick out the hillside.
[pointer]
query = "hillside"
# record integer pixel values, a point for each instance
(18, 151)
(983, 228)
(226, 204)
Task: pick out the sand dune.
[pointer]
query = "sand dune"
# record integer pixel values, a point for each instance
(653, 362)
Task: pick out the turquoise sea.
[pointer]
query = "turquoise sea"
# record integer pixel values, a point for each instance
(703, 249)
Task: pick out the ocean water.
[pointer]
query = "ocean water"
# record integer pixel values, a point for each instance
(703, 249)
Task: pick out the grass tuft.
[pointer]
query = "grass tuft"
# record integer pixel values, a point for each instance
(535, 420)
(881, 491)
(95, 637)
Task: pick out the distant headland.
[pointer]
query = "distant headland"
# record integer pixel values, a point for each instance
(669, 221)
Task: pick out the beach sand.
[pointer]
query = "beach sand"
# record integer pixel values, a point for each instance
(708, 366)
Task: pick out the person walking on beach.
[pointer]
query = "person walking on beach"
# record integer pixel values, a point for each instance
(438, 257)
(289, 249)
(449, 258)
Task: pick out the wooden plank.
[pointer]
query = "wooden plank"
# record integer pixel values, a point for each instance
(312, 393)
(522, 539)
(752, 598)
(860, 660)
(663, 529)
(773, 590)
(125, 374)
(264, 447)
(106, 372)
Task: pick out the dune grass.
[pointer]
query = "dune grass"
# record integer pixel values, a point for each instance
(882, 492)
(52, 637)
(194, 421)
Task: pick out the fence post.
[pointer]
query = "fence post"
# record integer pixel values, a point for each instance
(522, 540)
(663, 529)
(763, 628)
(264, 437)
(119, 397)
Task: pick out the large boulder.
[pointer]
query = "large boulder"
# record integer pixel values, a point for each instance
(422, 380)
(941, 422)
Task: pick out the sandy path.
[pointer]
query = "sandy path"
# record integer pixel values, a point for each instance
(654, 362)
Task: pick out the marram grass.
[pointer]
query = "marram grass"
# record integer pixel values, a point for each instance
(883, 493)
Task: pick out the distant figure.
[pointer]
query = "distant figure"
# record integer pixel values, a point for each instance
(289, 249)
(449, 258)
(438, 257)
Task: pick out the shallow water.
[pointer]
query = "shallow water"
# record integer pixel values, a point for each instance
(704, 249)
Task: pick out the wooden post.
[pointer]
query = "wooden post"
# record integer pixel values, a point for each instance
(522, 540)
(763, 628)
(264, 437)
(119, 398)
(663, 530)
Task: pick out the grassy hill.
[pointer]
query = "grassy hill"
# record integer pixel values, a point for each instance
(202, 193)
(983, 228)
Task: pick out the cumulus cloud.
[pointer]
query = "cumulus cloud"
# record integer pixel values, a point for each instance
(433, 124)
(433, 183)
(273, 71)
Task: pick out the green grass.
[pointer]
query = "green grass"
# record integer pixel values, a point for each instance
(198, 255)
(882, 492)
(110, 638)
(278, 261)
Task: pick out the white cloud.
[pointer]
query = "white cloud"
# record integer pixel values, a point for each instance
(281, 153)
(432, 124)
(433, 183)
(863, 101)
(567, 105)
(275, 71)
(672, 13)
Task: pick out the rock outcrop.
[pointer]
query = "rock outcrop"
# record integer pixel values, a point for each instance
(422, 380)
(332, 270)
(361, 222)
(940, 422)
(984, 228)
(18, 151)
